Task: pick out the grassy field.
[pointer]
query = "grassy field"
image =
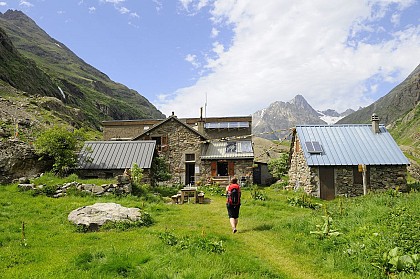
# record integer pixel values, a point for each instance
(195, 240)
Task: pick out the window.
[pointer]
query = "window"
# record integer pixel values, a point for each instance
(161, 143)
(231, 147)
(189, 157)
(226, 125)
(246, 146)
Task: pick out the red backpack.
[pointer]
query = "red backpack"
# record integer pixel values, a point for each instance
(234, 195)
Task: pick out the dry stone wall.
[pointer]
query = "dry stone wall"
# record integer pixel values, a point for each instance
(380, 177)
(181, 141)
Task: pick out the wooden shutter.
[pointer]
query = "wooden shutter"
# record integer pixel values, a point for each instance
(231, 168)
(164, 142)
(213, 168)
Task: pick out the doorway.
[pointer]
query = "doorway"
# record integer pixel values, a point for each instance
(222, 169)
(189, 173)
(326, 181)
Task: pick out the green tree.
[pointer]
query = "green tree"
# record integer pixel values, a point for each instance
(159, 170)
(279, 166)
(136, 174)
(60, 145)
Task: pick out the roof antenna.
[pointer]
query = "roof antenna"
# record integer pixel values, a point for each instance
(205, 108)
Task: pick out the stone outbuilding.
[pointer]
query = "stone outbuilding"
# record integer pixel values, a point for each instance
(345, 160)
(108, 159)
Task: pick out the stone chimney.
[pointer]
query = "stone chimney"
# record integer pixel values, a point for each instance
(375, 123)
(200, 123)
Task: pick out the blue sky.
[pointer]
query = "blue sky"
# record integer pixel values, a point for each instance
(240, 55)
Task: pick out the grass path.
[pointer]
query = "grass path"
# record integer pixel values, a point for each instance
(253, 239)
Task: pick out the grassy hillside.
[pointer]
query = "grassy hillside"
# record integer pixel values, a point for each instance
(195, 240)
(72, 81)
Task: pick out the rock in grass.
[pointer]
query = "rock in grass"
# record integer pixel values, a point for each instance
(92, 217)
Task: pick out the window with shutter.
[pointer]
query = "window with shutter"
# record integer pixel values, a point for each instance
(164, 143)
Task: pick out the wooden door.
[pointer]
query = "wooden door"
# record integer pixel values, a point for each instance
(326, 181)
(231, 168)
(213, 169)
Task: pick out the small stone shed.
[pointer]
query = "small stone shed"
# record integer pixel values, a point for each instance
(325, 159)
(107, 159)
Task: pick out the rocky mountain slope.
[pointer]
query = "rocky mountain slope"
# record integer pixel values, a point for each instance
(42, 66)
(275, 121)
(394, 105)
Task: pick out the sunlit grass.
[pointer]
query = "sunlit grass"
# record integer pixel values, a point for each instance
(273, 239)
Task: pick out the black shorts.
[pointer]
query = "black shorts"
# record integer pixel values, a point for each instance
(233, 210)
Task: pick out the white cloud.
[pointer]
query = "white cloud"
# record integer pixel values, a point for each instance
(193, 6)
(113, 1)
(192, 58)
(3, 4)
(159, 5)
(123, 10)
(325, 50)
(26, 4)
(214, 32)
(92, 10)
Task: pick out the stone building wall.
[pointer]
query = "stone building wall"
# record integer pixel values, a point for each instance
(381, 177)
(242, 168)
(386, 177)
(97, 173)
(181, 141)
(344, 182)
(300, 174)
(126, 129)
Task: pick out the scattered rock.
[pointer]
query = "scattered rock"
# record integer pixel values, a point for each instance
(26, 187)
(94, 216)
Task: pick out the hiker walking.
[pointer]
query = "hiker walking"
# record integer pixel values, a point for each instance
(233, 203)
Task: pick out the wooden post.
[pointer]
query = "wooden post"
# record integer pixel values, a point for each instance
(363, 170)
(364, 180)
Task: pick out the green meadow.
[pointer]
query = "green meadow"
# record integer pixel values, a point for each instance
(281, 234)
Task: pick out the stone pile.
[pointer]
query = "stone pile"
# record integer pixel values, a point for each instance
(121, 188)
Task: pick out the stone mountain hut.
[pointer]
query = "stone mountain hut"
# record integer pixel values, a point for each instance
(345, 160)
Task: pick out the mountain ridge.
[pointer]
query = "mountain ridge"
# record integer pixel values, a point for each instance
(75, 82)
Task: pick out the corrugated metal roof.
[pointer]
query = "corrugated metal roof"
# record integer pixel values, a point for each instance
(350, 145)
(217, 150)
(116, 154)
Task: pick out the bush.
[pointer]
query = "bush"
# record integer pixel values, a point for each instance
(60, 145)
(279, 166)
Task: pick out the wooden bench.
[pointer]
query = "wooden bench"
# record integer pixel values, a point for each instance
(176, 198)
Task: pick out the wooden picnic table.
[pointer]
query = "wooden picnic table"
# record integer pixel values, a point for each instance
(188, 191)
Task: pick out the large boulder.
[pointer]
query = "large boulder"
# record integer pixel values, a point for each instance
(92, 217)
(18, 159)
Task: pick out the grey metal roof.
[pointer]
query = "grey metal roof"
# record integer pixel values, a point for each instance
(116, 154)
(350, 145)
(217, 150)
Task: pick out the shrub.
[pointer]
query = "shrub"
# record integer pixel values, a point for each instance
(60, 145)
(278, 167)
